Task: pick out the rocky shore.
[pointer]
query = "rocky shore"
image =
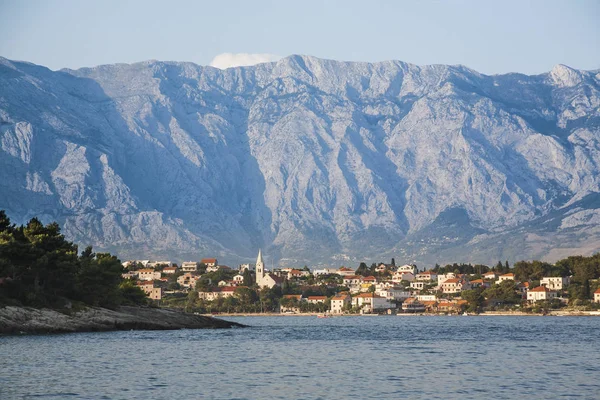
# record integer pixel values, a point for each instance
(16, 320)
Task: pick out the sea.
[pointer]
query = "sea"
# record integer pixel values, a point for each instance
(362, 357)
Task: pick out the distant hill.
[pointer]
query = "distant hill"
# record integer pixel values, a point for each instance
(315, 161)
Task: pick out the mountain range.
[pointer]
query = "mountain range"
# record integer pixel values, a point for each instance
(315, 161)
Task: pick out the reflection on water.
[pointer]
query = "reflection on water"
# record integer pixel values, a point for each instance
(311, 358)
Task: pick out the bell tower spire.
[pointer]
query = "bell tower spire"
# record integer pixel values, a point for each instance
(260, 268)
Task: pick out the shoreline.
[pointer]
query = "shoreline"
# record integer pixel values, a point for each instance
(27, 320)
(485, 314)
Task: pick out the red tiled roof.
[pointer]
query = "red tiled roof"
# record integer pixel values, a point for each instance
(511, 275)
(292, 296)
(317, 297)
(208, 260)
(540, 289)
(145, 270)
(597, 291)
(351, 277)
(451, 280)
(345, 269)
(368, 295)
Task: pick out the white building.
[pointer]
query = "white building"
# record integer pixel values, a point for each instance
(426, 276)
(455, 285)
(418, 285)
(540, 293)
(392, 293)
(189, 266)
(441, 278)
(154, 264)
(169, 270)
(597, 296)
(209, 262)
(407, 268)
(339, 302)
(400, 276)
(249, 267)
(506, 277)
(370, 302)
(555, 283)
(147, 274)
(264, 279)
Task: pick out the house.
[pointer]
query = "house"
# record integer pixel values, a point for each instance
(455, 285)
(169, 270)
(417, 285)
(383, 268)
(597, 296)
(400, 276)
(238, 279)
(505, 277)
(316, 299)
(148, 274)
(296, 274)
(226, 291)
(343, 271)
(407, 268)
(187, 280)
(523, 288)
(412, 305)
(352, 280)
(209, 262)
(370, 280)
(155, 293)
(127, 264)
(426, 297)
(290, 308)
(340, 302)
(441, 278)
(370, 302)
(215, 268)
(326, 271)
(392, 293)
(451, 306)
(490, 276)
(154, 264)
(540, 293)
(244, 267)
(189, 266)
(555, 283)
(130, 275)
(426, 276)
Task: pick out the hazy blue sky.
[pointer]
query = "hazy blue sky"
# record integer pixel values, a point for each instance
(488, 36)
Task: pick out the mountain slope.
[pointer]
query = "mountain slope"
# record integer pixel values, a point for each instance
(313, 160)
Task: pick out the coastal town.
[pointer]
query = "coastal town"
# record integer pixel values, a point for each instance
(382, 288)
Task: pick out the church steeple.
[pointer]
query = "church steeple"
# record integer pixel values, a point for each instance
(260, 268)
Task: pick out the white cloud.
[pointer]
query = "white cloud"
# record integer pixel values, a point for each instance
(228, 60)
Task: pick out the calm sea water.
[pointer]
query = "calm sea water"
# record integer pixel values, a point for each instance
(310, 358)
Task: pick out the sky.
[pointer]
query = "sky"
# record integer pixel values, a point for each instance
(488, 36)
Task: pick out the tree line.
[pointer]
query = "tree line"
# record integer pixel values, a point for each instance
(40, 268)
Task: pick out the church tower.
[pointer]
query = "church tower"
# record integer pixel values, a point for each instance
(260, 268)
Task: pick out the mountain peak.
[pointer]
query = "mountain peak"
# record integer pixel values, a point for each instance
(565, 76)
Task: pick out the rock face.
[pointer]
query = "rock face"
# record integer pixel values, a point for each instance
(29, 320)
(312, 160)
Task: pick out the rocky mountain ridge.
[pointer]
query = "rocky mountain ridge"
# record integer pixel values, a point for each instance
(315, 161)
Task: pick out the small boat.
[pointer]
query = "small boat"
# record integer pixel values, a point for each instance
(323, 316)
